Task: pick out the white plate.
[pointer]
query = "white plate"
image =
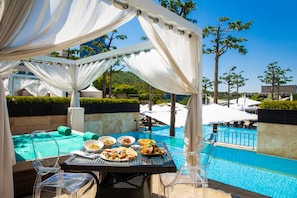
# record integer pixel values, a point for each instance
(117, 159)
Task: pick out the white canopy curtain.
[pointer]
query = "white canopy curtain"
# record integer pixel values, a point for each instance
(152, 68)
(7, 157)
(32, 84)
(181, 50)
(37, 88)
(33, 28)
(52, 90)
(6, 86)
(71, 78)
(23, 83)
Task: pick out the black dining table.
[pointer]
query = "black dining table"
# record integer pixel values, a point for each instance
(130, 178)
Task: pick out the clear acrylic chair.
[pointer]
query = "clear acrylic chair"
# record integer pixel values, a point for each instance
(50, 179)
(192, 171)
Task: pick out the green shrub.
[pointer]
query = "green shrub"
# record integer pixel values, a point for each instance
(288, 105)
(37, 100)
(125, 89)
(108, 101)
(65, 100)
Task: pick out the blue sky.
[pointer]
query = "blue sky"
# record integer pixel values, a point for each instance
(272, 37)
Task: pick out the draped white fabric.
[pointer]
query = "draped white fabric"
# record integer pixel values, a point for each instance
(179, 49)
(37, 89)
(33, 85)
(152, 68)
(22, 83)
(6, 86)
(34, 28)
(7, 158)
(52, 90)
(70, 78)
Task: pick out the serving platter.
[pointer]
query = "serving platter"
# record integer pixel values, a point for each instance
(119, 154)
(115, 160)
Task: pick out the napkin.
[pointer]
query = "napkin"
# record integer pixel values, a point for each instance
(64, 130)
(90, 136)
(85, 154)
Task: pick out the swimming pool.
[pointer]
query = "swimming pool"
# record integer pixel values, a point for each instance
(263, 174)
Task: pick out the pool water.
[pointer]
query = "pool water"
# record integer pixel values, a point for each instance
(24, 150)
(263, 174)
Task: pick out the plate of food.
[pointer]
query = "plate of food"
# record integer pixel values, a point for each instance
(119, 154)
(151, 149)
(145, 141)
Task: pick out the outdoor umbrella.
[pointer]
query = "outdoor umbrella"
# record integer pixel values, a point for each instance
(214, 114)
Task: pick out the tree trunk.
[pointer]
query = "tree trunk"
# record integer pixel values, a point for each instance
(104, 85)
(216, 77)
(228, 95)
(150, 109)
(237, 87)
(277, 89)
(110, 83)
(172, 115)
(272, 92)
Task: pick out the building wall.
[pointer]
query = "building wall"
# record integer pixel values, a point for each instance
(284, 89)
(277, 139)
(277, 132)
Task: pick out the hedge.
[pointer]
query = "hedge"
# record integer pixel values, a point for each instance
(65, 100)
(286, 105)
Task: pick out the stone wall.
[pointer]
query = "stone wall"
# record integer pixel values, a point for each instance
(101, 123)
(110, 123)
(277, 132)
(28, 124)
(277, 139)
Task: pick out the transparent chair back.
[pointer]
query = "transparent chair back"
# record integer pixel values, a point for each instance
(192, 170)
(46, 151)
(50, 179)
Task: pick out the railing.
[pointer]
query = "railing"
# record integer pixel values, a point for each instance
(238, 138)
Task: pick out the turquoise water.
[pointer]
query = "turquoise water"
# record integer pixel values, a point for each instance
(24, 150)
(263, 174)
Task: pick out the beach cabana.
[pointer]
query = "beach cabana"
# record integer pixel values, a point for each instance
(29, 29)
